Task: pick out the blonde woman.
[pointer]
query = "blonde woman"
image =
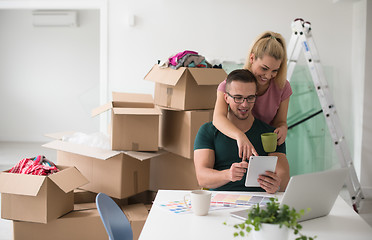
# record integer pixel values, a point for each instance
(267, 60)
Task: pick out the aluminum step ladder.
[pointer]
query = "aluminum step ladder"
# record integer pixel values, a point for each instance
(302, 39)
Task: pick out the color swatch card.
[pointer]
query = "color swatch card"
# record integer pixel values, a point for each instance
(238, 200)
(175, 206)
(179, 206)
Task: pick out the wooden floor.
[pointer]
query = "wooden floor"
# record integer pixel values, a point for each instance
(11, 153)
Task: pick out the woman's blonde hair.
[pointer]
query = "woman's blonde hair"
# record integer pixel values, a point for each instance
(272, 44)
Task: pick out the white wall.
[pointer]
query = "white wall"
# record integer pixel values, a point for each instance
(366, 164)
(218, 29)
(49, 76)
(358, 73)
(223, 30)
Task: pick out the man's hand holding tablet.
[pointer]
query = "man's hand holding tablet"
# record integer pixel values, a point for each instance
(258, 165)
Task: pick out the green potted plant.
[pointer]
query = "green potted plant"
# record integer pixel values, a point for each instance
(272, 222)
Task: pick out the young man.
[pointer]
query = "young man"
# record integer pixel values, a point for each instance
(216, 157)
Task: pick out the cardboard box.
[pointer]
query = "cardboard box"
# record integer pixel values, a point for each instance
(82, 223)
(134, 121)
(118, 174)
(178, 130)
(84, 196)
(137, 215)
(186, 88)
(146, 197)
(36, 198)
(170, 171)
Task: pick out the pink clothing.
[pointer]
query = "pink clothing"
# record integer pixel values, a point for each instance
(174, 59)
(267, 105)
(222, 86)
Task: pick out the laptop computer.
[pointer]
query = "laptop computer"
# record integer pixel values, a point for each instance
(317, 191)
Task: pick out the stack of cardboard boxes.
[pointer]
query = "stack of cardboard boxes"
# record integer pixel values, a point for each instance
(123, 170)
(130, 172)
(186, 97)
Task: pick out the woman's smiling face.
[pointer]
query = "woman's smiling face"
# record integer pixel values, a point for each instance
(265, 68)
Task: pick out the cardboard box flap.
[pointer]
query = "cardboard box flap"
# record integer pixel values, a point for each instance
(98, 153)
(167, 76)
(137, 111)
(135, 212)
(68, 179)
(144, 155)
(126, 100)
(169, 108)
(134, 100)
(101, 109)
(22, 184)
(208, 76)
(59, 135)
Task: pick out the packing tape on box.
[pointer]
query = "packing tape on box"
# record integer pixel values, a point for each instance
(169, 96)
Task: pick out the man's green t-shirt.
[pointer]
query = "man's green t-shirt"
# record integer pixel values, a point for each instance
(226, 149)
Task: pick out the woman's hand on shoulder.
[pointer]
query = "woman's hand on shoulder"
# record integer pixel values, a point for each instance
(245, 147)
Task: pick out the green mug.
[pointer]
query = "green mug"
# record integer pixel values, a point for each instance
(269, 141)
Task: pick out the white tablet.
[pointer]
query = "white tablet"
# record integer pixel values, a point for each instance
(258, 165)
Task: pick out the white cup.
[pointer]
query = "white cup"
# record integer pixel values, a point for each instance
(200, 201)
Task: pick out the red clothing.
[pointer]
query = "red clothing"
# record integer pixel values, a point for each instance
(35, 166)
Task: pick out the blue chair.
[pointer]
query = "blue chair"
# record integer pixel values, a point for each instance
(116, 223)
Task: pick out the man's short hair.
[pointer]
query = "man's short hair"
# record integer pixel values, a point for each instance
(241, 75)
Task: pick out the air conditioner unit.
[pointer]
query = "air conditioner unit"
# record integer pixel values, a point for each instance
(41, 18)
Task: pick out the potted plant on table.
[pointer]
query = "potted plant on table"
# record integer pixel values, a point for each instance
(272, 222)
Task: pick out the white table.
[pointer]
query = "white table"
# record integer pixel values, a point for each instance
(341, 223)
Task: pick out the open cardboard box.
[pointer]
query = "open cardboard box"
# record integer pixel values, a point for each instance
(186, 88)
(119, 174)
(134, 121)
(37, 198)
(178, 130)
(82, 223)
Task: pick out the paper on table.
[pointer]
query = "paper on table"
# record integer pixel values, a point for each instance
(238, 200)
(218, 202)
(179, 207)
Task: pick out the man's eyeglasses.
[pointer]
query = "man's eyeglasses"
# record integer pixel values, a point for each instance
(239, 99)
